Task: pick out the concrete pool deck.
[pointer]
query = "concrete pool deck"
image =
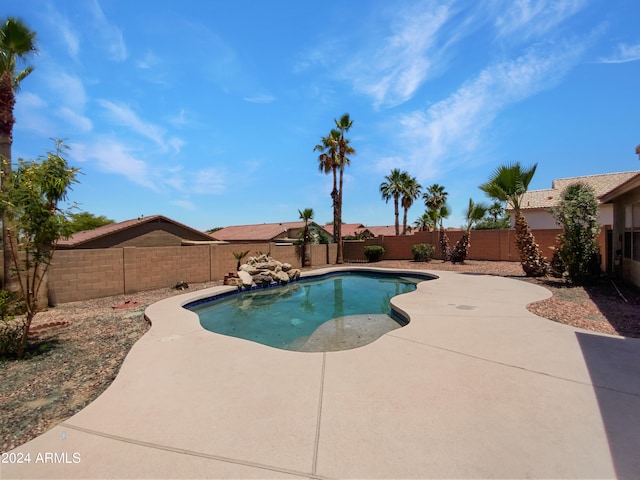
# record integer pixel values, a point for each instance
(475, 386)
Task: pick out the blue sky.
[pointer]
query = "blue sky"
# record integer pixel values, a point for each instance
(208, 111)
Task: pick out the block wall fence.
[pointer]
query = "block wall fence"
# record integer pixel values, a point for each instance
(84, 274)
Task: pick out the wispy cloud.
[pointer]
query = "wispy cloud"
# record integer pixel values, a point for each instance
(123, 115)
(210, 181)
(392, 71)
(624, 53)
(108, 34)
(455, 126)
(527, 19)
(71, 100)
(68, 34)
(260, 98)
(114, 157)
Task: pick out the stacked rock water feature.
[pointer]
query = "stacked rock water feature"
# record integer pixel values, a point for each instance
(262, 271)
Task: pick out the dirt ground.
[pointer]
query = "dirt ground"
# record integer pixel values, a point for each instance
(77, 348)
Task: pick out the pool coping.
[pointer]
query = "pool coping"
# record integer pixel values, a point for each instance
(474, 386)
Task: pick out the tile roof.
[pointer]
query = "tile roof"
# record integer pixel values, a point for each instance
(601, 184)
(83, 236)
(261, 231)
(386, 230)
(347, 228)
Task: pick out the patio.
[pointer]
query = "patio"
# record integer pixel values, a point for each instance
(474, 387)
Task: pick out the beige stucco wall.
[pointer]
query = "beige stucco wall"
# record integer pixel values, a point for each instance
(629, 268)
(542, 219)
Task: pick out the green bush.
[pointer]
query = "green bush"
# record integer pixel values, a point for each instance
(10, 330)
(373, 252)
(422, 252)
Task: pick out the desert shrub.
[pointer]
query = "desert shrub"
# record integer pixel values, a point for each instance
(373, 252)
(422, 252)
(10, 330)
(578, 243)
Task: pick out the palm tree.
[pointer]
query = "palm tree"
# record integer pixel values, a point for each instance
(509, 183)
(343, 125)
(495, 210)
(393, 187)
(17, 42)
(424, 222)
(474, 213)
(434, 197)
(328, 163)
(306, 215)
(411, 191)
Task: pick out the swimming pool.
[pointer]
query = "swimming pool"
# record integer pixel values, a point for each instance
(334, 311)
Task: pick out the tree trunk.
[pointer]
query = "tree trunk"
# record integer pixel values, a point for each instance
(397, 214)
(339, 252)
(445, 246)
(7, 101)
(404, 222)
(532, 261)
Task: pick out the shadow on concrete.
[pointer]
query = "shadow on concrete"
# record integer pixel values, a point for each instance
(614, 368)
(619, 304)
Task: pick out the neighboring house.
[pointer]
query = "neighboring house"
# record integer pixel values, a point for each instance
(388, 230)
(153, 231)
(350, 230)
(283, 232)
(536, 204)
(625, 202)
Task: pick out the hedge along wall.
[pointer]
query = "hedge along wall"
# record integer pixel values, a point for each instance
(83, 274)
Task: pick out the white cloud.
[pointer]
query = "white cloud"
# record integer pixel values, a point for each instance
(113, 157)
(392, 71)
(150, 60)
(75, 119)
(534, 18)
(109, 35)
(455, 126)
(69, 89)
(70, 99)
(67, 32)
(260, 98)
(125, 116)
(185, 204)
(210, 181)
(624, 53)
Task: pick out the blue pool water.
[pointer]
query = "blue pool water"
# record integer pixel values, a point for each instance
(284, 316)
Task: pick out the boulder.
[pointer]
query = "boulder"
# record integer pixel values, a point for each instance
(250, 269)
(247, 279)
(262, 279)
(282, 277)
(235, 282)
(294, 274)
(286, 267)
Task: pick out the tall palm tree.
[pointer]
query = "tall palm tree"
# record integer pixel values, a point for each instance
(475, 212)
(509, 183)
(411, 192)
(306, 215)
(393, 187)
(435, 197)
(17, 43)
(343, 126)
(328, 163)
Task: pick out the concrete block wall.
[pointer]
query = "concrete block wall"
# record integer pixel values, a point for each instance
(83, 274)
(150, 268)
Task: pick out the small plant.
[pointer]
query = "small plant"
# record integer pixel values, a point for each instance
(10, 329)
(239, 256)
(373, 252)
(422, 252)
